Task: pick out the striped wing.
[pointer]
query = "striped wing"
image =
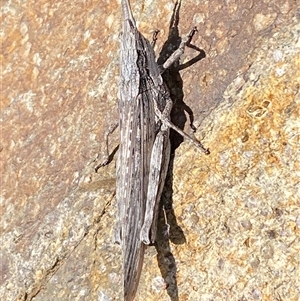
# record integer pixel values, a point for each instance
(137, 130)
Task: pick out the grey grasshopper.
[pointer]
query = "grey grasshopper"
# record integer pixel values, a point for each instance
(144, 120)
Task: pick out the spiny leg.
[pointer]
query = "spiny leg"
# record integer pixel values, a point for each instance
(180, 50)
(158, 170)
(164, 117)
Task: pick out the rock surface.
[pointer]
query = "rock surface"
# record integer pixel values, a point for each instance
(234, 215)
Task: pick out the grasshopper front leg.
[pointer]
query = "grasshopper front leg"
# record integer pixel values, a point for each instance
(180, 50)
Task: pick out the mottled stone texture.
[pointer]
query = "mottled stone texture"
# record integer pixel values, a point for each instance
(234, 215)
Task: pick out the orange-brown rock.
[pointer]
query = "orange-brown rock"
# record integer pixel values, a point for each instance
(234, 215)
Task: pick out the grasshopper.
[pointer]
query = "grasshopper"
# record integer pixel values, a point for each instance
(144, 120)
